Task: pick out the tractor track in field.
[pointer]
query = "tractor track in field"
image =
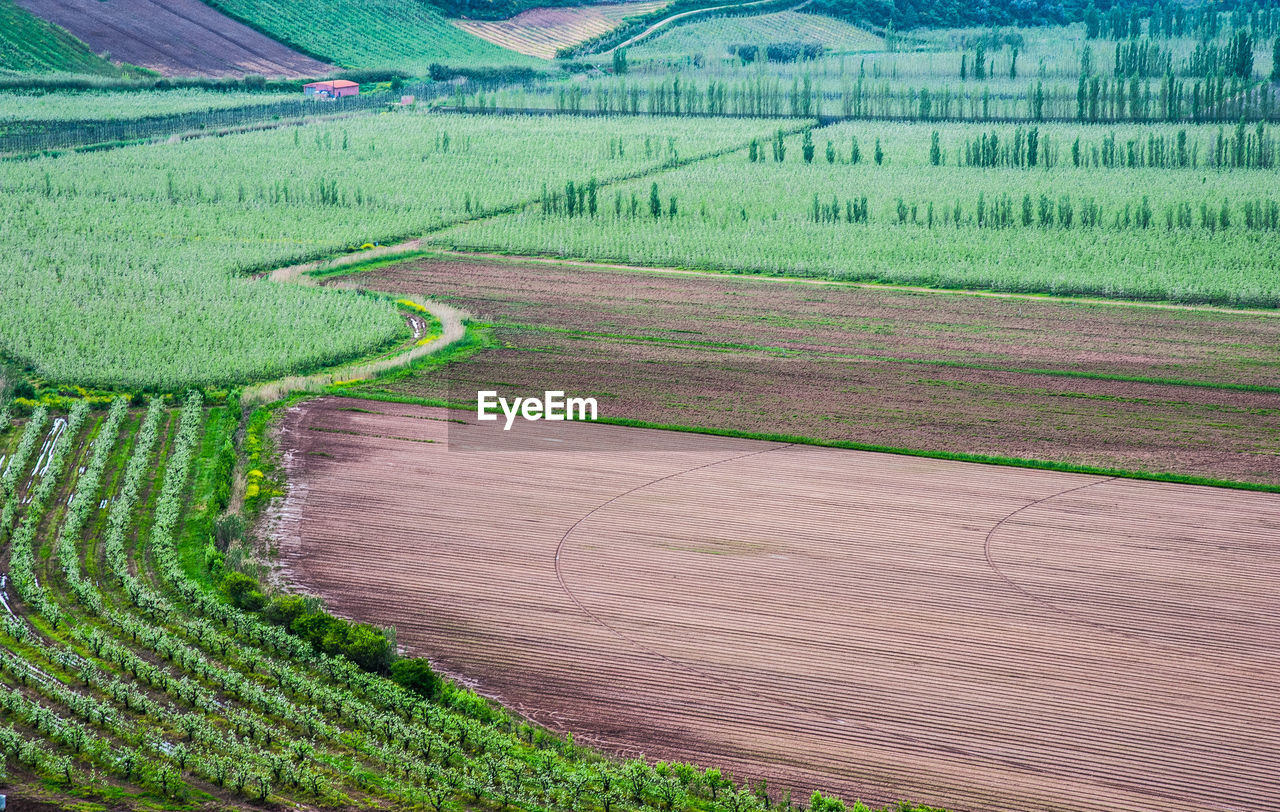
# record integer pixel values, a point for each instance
(880, 626)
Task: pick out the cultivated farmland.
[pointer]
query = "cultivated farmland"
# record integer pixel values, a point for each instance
(185, 222)
(19, 108)
(372, 33)
(937, 376)
(1111, 386)
(543, 31)
(175, 37)
(990, 638)
(1072, 209)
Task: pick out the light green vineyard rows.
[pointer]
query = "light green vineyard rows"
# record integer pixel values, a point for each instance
(115, 669)
(82, 106)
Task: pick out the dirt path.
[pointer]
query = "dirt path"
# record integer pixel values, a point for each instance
(453, 328)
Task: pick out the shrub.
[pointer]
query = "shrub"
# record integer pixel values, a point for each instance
(282, 610)
(237, 585)
(416, 675)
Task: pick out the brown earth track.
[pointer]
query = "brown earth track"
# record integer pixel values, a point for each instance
(958, 374)
(981, 637)
(1211, 346)
(175, 37)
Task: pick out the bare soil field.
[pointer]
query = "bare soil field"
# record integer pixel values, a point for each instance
(174, 37)
(982, 637)
(542, 31)
(958, 374)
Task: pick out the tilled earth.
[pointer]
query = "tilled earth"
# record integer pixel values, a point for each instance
(1111, 386)
(880, 626)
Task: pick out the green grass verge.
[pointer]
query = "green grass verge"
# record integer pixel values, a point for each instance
(795, 439)
(936, 362)
(210, 484)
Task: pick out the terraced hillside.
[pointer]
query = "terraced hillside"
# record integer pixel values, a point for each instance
(30, 44)
(372, 33)
(174, 37)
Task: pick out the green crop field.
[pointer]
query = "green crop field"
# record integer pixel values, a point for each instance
(1078, 211)
(31, 45)
(1202, 233)
(17, 107)
(373, 33)
(175, 225)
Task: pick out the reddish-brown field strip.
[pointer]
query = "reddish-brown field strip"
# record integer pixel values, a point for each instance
(979, 637)
(1206, 346)
(956, 374)
(175, 37)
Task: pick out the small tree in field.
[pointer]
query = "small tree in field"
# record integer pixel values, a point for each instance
(655, 202)
(715, 782)
(741, 800)
(825, 803)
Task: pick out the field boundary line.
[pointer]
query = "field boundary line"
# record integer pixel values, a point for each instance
(885, 286)
(851, 445)
(727, 346)
(1031, 596)
(413, 243)
(1045, 602)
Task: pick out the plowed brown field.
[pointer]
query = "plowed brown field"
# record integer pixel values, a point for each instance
(982, 637)
(174, 37)
(935, 372)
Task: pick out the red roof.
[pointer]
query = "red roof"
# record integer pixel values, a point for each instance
(336, 83)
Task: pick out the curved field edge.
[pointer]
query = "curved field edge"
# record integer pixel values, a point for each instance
(286, 328)
(190, 473)
(680, 12)
(720, 33)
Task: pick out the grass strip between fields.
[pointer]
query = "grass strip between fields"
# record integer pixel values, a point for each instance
(982, 459)
(888, 359)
